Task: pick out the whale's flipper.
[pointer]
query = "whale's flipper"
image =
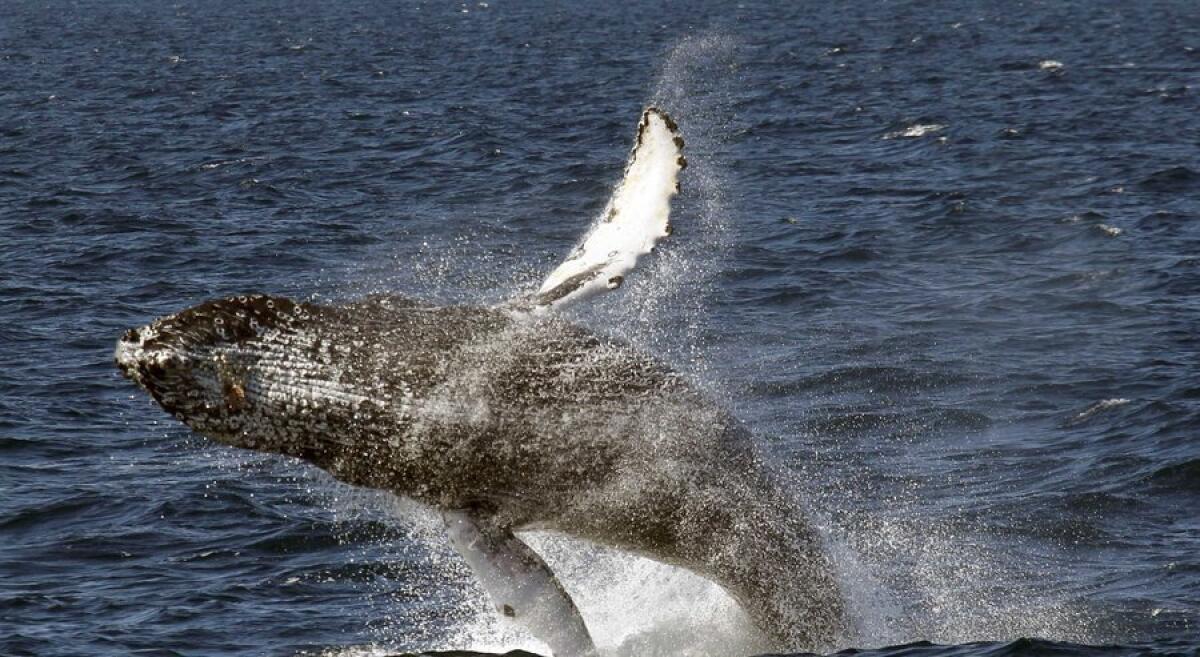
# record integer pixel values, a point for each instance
(520, 584)
(634, 220)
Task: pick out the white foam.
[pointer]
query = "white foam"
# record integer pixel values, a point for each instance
(634, 607)
(1099, 407)
(915, 131)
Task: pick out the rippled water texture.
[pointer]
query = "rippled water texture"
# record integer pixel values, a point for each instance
(943, 261)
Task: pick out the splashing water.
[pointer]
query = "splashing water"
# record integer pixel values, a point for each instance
(991, 407)
(633, 606)
(665, 307)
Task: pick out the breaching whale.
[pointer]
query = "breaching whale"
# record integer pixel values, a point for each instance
(510, 418)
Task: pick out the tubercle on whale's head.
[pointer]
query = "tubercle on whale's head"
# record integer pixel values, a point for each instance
(195, 363)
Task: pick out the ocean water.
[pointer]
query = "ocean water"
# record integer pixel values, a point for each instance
(943, 260)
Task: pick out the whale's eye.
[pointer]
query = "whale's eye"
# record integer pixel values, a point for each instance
(155, 370)
(234, 392)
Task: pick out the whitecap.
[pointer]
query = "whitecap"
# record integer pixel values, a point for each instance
(1098, 407)
(916, 130)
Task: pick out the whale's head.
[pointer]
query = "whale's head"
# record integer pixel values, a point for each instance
(207, 366)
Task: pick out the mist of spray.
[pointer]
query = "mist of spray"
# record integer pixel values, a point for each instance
(903, 581)
(634, 606)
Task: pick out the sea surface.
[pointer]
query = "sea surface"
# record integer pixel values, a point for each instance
(942, 258)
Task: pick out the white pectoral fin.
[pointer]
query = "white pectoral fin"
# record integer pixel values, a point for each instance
(520, 584)
(634, 220)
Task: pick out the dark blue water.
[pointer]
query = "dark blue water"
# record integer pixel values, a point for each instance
(943, 260)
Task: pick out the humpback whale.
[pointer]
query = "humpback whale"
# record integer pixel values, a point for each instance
(507, 419)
